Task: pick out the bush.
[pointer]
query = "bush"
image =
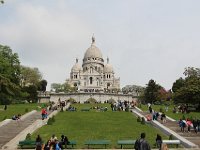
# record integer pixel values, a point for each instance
(28, 136)
(138, 119)
(170, 137)
(143, 120)
(53, 118)
(183, 117)
(26, 110)
(161, 110)
(50, 122)
(5, 117)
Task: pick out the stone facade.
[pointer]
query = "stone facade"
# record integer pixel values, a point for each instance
(83, 97)
(93, 75)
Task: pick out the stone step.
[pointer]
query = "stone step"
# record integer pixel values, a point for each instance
(13, 128)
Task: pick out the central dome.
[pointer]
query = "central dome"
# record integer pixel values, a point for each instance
(93, 51)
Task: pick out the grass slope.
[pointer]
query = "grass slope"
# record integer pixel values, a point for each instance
(82, 126)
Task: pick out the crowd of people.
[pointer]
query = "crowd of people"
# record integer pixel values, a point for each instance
(189, 124)
(122, 105)
(155, 115)
(53, 143)
(142, 144)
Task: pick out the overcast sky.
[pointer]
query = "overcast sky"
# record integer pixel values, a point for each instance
(144, 39)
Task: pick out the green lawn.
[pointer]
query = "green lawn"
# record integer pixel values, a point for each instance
(82, 126)
(170, 113)
(16, 109)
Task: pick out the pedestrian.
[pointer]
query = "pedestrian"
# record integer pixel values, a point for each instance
(142, 144)
(5, 107)
(159, 141)
(38, 143)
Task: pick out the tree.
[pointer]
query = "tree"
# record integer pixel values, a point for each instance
(57, 87)
(9, 75)
(42, 85)
(188, 90)
(178, 84)
(151, 92)
(29, 76)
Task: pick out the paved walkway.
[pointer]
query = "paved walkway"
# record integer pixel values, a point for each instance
(173, 125)
(13, 128)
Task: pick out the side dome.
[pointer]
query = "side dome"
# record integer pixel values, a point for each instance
(76, 67)
(108, 67)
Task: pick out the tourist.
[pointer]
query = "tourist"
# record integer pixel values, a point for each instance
(164, 147)
(64, 140)
(189, 124)
(142, 144)
(5, 107)
(159, 141)
(38, 143)
(48, 145)
(53, 140)
(182, 124)
(150, 109)
(194, 122)
(198, 125)
(163, 117)
(58, 145)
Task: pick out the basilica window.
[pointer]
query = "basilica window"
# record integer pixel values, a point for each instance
(91, 70)
(90, 80)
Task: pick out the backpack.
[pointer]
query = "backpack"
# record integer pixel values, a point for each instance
(137, 144)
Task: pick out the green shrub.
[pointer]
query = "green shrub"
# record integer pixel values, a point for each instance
(139, 106)
(28, 136)
(170, 137)
(53, 118)
(161, 110)
(183, 117)
(5, 117)
(138, 119)
(26, 110)
(50, 122)
(143, 120)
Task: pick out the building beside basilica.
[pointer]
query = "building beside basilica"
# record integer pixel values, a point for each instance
(94, 75)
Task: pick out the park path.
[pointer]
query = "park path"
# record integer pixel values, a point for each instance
(13, 128)
(173, 125)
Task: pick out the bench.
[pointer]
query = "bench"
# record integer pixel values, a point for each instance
(125, 142)
(172, 142)
(85, 109)
(71, 143)
(97, 142)
(27, 144)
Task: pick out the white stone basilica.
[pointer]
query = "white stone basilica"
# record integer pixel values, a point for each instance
(94, 75)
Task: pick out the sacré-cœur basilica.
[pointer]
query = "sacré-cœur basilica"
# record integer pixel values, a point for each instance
(95, 79)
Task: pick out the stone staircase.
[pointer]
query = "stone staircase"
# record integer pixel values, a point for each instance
(13, 128)
(173, 125)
